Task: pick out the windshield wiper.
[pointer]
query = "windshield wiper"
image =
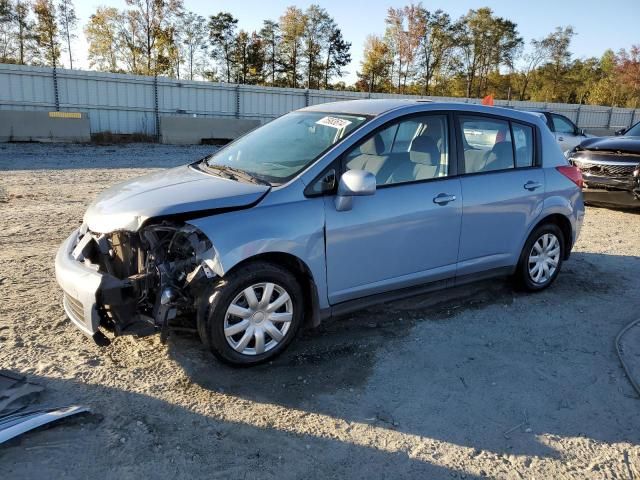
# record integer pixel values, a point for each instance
(235, 174)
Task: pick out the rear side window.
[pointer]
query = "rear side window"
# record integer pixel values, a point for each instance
(562, 125)
(523, 143)
(487, 144)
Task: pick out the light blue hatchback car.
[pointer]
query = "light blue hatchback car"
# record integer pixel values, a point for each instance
(320, 212)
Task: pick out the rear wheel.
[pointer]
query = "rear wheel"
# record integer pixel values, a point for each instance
(252, 315)
(541, 258)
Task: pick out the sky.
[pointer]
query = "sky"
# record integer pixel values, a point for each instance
(599, 24)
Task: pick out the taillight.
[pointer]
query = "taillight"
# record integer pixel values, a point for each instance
(572, 173)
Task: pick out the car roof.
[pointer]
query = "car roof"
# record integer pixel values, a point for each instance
(376, 107)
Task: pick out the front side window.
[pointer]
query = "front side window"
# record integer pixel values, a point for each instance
(408, 150)
(563, 125)
(281, 149)
(487, 144)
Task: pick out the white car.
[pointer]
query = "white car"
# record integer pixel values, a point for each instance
(566, 132)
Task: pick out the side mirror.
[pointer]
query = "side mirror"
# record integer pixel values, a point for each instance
(582, 132)
(354, 183)
(621, 131)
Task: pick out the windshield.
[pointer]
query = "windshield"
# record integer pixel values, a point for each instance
(633, 131)
(281, 149)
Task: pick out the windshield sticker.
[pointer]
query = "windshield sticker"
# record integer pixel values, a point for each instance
(334, 122)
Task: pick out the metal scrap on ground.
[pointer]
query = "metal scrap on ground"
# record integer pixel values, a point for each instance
(16, 394)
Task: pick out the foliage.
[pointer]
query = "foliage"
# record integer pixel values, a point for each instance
(421, 51)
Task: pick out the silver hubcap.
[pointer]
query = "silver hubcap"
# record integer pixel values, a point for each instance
(258, 318)
(544, 258)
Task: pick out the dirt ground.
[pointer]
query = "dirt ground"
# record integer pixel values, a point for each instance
(477, 382)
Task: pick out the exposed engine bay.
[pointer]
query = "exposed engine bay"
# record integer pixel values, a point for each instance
(150, 277)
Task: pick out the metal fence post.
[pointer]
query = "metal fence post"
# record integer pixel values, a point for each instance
(609, 120)
(306, 97)
(55, 87)
(156, 107)
(238, 101)
(578, 116)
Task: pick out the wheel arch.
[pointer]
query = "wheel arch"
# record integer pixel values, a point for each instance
(301, 271)
(562, 222)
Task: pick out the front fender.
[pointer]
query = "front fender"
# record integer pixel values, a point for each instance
(295, 228)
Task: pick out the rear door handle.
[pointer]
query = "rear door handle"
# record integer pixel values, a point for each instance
(531, 186)
(443, 198)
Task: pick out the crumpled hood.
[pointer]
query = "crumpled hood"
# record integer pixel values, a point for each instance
(126, 206)
(620, 144)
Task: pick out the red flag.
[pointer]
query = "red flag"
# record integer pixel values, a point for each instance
(488, 100)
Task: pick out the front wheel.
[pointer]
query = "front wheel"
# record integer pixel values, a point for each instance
(251, 315)
(541, 258)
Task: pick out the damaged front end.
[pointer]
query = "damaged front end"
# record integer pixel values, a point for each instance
(609, 178)
(133, 282)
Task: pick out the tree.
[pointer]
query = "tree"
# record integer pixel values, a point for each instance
(102, 33)
(436, 44)
(292, 24)
(192, 32)
(337, 55)
(317, 28)
(376, 64)
(531, 60)
(68, 23)
(222, 29)
(559, 43)
(24, 31)
(151, 21)
(46, 30)
(255, 60)
(270, 35)
(486, 43)
(7, 44)
(628, 72)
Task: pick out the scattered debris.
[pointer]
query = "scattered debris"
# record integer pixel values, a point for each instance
(524, 423)
(16, 394)
(13, 425)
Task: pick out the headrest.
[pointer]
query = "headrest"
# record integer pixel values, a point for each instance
(373, 146)
(501, 155)
(502, 149)
(424, 150)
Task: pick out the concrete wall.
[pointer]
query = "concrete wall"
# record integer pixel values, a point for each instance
(188, 130)
(19, 126)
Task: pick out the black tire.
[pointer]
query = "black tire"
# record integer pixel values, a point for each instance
(523, 275)
(215, 302)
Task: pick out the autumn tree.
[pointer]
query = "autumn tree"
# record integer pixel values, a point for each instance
(68, 22)
(376, 64)
(46, 31)
(292, 24)
(151, 22)
(103, 35)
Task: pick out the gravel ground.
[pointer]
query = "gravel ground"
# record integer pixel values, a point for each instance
(475, 382)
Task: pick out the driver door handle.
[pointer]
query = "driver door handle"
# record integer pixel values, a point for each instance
(443, 198)
(531, 186)
(561, 139)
